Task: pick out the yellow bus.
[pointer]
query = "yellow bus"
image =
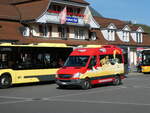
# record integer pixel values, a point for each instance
(145, 63)
(30, 63)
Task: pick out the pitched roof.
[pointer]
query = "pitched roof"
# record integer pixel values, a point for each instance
(10, 2)
(10, 30)
(104, 22)
(33, 10)
(22, 9)
(6, 1)
(80, 1)
(146, 28)
(102, 41)
(8, 12)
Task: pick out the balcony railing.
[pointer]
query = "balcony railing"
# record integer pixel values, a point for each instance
(68, 13)
(72, 18)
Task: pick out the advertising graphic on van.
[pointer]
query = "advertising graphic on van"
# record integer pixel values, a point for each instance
(88, 66)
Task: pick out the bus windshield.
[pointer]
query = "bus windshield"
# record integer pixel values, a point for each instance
(75, 61)
(146, 59)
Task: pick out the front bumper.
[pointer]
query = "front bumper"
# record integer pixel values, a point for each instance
(70, 82)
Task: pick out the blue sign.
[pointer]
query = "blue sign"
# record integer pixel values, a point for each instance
(72, 19)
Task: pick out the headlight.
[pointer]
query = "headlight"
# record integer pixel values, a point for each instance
(77, 75)
(56, 75)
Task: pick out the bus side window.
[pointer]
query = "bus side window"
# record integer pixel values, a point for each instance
(4, 60)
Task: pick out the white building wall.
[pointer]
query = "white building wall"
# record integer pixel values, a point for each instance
(86, 34)
(135, 58)
(131, 57)
(133, 35)
(120, 35)
(105, 34)
(71, 34)
(35, 30)
(141, 37)
(55, 33)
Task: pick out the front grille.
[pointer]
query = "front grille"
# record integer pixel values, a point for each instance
(64, 76)
(65, 80)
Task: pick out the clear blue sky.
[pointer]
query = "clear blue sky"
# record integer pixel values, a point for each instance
(128, 10)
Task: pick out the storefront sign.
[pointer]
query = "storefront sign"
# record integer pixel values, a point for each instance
(72, 20)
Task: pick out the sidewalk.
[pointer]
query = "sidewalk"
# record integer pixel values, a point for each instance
(137, 74)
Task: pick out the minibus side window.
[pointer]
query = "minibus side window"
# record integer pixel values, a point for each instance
(110, 59)
(118, 58)
(104, 59)
(92, 62)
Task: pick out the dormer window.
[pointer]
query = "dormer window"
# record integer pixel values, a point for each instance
(111, 35)
(139, 37)
(93, 35)
(26, 31)
(125, 36)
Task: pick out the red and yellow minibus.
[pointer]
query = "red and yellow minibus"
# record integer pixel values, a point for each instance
(88, 66)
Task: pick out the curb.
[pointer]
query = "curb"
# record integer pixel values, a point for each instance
(136, 74)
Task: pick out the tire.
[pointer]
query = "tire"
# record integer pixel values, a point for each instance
(117, 81)
(86, 84)
(5, 81)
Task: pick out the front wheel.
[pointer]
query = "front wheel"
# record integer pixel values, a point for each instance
(117, 81)
(86, 84)
(5, 81)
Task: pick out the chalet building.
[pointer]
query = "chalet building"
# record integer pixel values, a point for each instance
(70, 22)
(41, 21)
(125, 35)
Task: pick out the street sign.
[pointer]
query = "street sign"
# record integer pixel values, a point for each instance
(72, 20)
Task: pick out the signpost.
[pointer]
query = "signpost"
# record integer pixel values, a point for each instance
(72, 20)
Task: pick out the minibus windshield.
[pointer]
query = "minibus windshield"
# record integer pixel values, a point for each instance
(76, 61)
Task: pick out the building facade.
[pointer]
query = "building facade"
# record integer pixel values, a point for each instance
(69, 22)
(127, 36)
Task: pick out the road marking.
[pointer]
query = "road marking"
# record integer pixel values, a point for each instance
(85, 93)
(146, 87)
(19, 99)
(99, 102)
(8, 97)
(23, 99)
(14, 102)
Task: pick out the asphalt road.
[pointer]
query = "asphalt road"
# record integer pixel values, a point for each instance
(131, 97)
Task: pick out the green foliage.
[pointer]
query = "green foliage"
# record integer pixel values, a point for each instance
(95, 13)
(146, 28)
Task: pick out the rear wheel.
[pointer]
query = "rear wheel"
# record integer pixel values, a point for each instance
(86, 84)
(117, 80)
(5, 81)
